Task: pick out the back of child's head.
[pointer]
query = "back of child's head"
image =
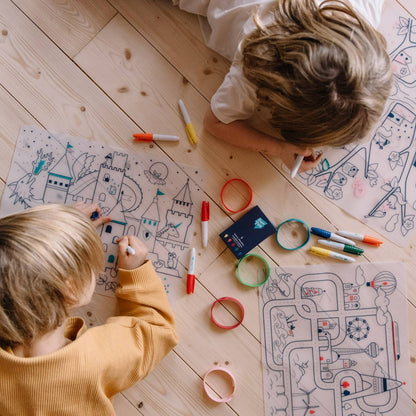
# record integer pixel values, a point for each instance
(48, 255)
(323, 71)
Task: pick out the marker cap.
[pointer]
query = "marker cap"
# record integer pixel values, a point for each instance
(205, 211)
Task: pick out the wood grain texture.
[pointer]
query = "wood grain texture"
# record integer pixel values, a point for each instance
(104, 70)
(71, 24)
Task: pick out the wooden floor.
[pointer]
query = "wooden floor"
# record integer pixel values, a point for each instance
(103, 69)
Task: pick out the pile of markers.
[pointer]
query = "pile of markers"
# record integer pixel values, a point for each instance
(343, 241)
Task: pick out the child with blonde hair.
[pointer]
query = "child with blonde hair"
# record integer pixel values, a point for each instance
(50, 363)
(319, 68)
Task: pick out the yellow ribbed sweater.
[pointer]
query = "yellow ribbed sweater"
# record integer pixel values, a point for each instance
(83, 376)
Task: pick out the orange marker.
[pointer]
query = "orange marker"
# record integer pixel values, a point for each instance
(360, 237)
(150, 137)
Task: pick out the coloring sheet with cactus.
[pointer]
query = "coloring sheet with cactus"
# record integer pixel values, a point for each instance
(152, 199)
(376, 180)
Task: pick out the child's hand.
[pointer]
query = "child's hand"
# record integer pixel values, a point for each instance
(290, 152)
(127, 260)
(89, 209)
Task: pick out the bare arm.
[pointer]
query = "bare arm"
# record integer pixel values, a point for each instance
(240, 133)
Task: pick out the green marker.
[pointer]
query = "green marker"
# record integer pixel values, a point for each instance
(343, 247)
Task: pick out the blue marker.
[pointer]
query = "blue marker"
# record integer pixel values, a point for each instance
(334, 237)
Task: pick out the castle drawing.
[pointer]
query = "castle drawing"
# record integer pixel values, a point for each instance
(163, 226)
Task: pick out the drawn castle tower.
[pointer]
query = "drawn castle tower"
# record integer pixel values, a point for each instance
(108, 194)
(110, 232)
(107, 190)
(59, 180)
(179, 216)
(150, 224)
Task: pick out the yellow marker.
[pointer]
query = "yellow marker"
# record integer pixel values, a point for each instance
(327, 253)
(190, 131)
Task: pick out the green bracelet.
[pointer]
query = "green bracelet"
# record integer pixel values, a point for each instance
(267, 270)
(300, 245)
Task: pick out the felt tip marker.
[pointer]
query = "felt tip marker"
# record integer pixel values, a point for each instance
(360, 237)
(130, 250)
(190, 278)
(334, 237)
(150, 137)
(204, 222)
(343, 247)
(327, 253)
(296, 166)
(190, 131)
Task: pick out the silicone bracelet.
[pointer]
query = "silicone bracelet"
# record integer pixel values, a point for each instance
(265, 263)
(303, 243)
(232, 380)
(233, 300)
(222, 195)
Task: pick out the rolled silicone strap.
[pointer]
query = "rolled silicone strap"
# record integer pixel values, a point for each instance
(300, 245)
(267, 269)
(222, 195)
(227, 299)
(232, 382)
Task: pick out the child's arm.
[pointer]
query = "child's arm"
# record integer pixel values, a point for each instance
(145, 330)
(241, 134)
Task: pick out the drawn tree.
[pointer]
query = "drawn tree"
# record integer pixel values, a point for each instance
(22, 189)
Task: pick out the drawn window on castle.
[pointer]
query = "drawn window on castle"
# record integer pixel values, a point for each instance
(106, 177)
(102, 197)
(110, 258)
(108, 229)
(144, 221)
(112, 190)
(131, 230)
(50, 181)
(147, 234)
(187, 204)
(115, 239)
(105, 247)
(154, 222)
(66, 185)
(60, 183)
(55, 182)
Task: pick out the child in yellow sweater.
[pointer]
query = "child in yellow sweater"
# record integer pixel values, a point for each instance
(50, 363)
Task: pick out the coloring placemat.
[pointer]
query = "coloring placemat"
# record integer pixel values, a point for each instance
(376, 180)
(335, 341)
(152, 199)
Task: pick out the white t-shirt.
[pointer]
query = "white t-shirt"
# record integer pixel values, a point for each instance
(224, 23)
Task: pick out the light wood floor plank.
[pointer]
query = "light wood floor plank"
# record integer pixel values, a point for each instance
(137, 64)
(71, 24)
(177, 36)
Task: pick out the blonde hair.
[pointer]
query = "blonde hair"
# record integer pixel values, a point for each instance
(47, 257)
(324, 72)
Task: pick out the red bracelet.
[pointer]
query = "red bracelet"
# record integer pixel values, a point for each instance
(222, 195)
(233, 300)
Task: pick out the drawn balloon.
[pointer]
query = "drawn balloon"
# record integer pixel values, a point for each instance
(385, 281)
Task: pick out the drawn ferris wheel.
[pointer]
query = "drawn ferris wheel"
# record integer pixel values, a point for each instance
(358, 329)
